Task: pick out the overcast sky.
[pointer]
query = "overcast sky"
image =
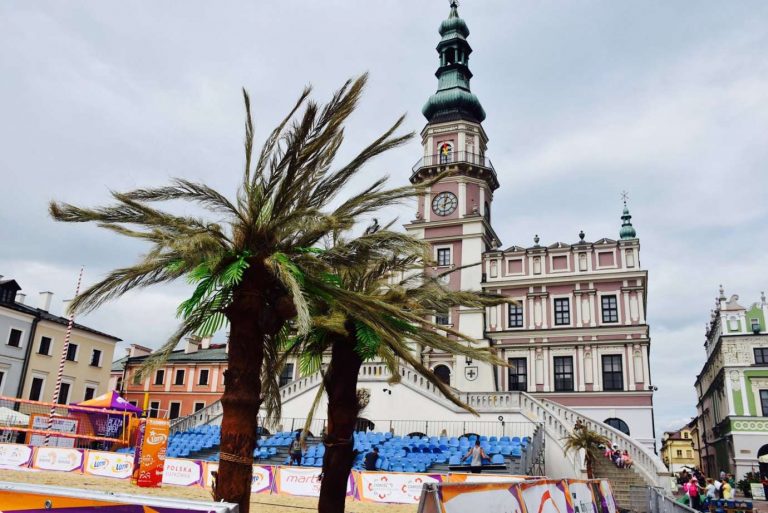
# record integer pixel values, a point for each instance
(668, 100)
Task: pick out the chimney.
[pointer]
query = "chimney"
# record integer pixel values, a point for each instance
(137, 350)
(20, 298)
(205, 343)
(64, 307)
(45, 301)
(192, 345)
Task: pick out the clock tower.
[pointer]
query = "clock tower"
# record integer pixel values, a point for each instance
(454, 215)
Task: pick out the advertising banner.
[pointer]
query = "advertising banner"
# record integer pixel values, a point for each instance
(397, 487)
(483, 497)
(484, 478)
(263, 479)
(15, 456)
(546, 496)
(108, 464)
(149, 458)
(183, 472)
(303, 481)
(57, 458)
(603, 494)
(60, 424)
(582, 496)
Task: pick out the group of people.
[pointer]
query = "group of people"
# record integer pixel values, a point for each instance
(700, 495)
(619, 458)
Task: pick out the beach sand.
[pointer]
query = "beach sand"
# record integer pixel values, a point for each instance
(260, 503)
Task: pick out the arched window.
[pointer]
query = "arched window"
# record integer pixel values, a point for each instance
(618, 424)
(444, 373)
(445, 152)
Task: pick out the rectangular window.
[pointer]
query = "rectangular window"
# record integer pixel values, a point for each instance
(45, 346)
(563, 373)
(755, 325)
(518, 374)
(202, 379)
(689, 453)
(90, 392)
(444, 257)
(36, 390)
(610, 309)
(199, 406)
(679, 453)
(14, 338)
(562, 311)
(64, 393)
(764, 402)
(72, 352)
(286, 376)
(761, 355)
(613, 378)
(179, 378)
(174, 410)
(137, 378)
(133, 403)
(154, 409)
(96, 358)
(515, 316)
(159, 377)
(442, 318)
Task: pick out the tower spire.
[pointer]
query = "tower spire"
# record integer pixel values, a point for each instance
(454, 99)
(627, 230)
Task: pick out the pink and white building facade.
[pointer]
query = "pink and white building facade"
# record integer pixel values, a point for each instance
(576, 332)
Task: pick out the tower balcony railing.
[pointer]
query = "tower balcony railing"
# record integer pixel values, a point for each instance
(455, 157)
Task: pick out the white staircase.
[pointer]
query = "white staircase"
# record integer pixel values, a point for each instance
(557, 420)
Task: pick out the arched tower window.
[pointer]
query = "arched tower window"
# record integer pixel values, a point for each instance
(443, 373)
(618, 424)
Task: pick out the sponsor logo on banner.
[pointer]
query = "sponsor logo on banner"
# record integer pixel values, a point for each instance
(397, 488)
(261, 482)
(484, 478)
(55, 458)
(108, 464)
(303, 481)
(546, 496)
(12, 455)
(582, 497)
(482, 497)
(182, 472)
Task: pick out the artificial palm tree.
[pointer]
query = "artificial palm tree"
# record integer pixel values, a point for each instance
(254, 262)
(583, 438)
(391, 324)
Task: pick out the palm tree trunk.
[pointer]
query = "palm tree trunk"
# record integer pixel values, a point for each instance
(253, 315)
(343, 408)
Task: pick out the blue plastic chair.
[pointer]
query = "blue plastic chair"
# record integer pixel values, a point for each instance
(497, 459)
(455, 460)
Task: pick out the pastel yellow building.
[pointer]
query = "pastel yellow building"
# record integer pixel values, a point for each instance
(87, 363)
(679, 449)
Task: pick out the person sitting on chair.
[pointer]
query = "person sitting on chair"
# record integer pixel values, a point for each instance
(371, 458)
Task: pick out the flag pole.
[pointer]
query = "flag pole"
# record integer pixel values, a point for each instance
(62, 360)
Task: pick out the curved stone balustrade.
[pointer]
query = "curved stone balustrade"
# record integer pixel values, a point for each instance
(646, 463)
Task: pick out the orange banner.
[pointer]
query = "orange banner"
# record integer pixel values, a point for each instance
(149, 460)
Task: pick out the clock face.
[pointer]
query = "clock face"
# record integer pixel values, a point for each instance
(444, 203)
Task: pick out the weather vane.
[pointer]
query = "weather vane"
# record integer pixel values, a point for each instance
(624, 196)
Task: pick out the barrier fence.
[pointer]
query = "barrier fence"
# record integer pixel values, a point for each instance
(363, 486)
(407, 427)
(62, 425)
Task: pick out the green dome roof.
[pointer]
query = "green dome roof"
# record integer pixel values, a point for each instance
(454, 23)
(627, 231)
(454, 99)
(453, 102)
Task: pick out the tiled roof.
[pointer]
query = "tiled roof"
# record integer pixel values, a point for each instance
(214, 354)
(47, 316)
